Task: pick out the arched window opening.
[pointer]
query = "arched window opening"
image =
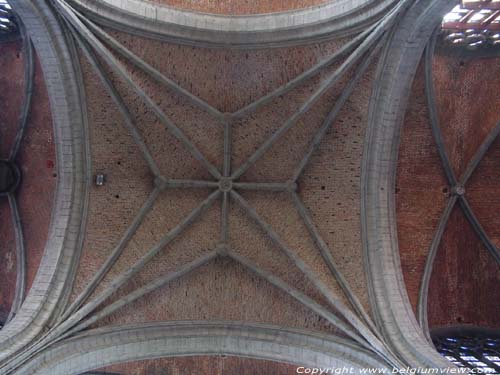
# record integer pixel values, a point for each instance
(7, 22)
(475, 348)
(473, 24)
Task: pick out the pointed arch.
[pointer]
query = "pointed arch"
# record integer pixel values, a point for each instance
(106, 346)
(70, 198)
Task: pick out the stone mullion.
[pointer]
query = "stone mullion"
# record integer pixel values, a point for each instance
(482, 357)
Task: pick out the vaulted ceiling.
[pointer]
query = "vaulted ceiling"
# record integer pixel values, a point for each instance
(273, 186)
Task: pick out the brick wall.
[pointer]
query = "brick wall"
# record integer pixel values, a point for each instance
(36, 160)
(239, 7)
(465, 278)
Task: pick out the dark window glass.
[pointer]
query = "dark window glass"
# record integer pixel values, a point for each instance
(475, 348)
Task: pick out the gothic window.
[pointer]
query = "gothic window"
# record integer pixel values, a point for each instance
(475, 348)
(7, 24)
(473, 24)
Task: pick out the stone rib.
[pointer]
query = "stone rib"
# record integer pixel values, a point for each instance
(151, 71)
(122, 108)
(72, 17)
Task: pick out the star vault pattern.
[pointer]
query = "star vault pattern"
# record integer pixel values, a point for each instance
(226, 187)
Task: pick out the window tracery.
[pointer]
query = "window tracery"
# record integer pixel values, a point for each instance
(475, 348)
(473, 24)
(7, 22)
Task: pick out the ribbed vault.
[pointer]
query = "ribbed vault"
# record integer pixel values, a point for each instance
(68, 209)
(455, 143)
(323, 289)
(269, 28)
(245, 212)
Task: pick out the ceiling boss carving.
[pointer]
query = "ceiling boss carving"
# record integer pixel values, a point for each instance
(227, 188)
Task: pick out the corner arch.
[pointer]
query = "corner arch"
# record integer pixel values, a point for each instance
(336, 18)
(68, 214)
(387, 289)
(106, 346)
